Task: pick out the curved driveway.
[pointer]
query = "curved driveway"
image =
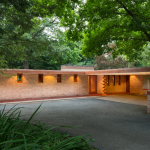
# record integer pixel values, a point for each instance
(115, 122)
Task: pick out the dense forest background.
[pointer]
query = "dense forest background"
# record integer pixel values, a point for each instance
(41, 34)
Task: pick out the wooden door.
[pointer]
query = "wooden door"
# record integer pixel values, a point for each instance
(92, 84)
(127, 83)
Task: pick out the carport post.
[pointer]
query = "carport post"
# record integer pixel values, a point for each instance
(148, 102)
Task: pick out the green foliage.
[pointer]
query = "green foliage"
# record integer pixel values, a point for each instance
(16, 18)
(22, 28)
(105, 21)
(106, 61)
(144, 59)
(86, 61)
(51, 49)
(23, 40)
(21, 134)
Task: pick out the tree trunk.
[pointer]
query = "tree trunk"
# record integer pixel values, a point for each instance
(25, 62)
(26, 65)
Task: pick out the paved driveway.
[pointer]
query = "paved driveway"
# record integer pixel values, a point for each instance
(115, 123)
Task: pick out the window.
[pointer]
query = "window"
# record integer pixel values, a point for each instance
(113, 80)
(40, 78)
(19, 78)
(107, 80)
(119, 80)
(75, 77)
(59, 78)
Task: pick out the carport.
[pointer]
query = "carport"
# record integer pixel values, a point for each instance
(120, 81)
(124, 80)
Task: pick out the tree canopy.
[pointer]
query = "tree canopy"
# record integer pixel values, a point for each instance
(97, 23)
(21, 29)
(44, 47)
(100, 22)
(104, 61)
(144, 59)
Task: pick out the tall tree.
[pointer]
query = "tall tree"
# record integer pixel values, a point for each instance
(104, 21)
(47, 48)
(18, 20)
(144, 59)
(63, 52)
(104, 61)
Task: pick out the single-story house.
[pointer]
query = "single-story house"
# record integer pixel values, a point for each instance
(72, 81)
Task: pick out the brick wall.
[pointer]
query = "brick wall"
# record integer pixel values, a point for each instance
(99, 84)
(148, 102)
(116, 88)
(136, 83)
(30, 88)
(145, 81)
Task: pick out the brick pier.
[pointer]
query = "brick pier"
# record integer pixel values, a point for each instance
(148, 102)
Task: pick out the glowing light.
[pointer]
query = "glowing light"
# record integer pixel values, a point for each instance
(49, 78)
(132, 76)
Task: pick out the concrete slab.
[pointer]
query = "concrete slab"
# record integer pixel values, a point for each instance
(136, 99)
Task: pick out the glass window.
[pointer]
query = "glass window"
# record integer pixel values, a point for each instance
(19, 77)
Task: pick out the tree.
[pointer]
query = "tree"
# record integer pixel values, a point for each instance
(104, 21)
(48, 48)
(64, 52)
(32, 43)
(20, 30)
(104, 61)
(144, 59)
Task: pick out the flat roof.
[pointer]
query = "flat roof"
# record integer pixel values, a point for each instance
(77, 68)
(121, 71)
(32, 71)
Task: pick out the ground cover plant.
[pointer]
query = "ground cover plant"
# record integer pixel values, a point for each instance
(21, 134)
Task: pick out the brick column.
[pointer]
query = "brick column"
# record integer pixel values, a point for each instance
(104, 85)
(148, 102)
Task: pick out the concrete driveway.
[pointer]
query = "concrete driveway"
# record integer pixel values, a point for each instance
(116, 122)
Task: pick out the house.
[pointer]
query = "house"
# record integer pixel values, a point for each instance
(72, 81)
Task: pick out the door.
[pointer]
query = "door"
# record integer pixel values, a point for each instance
(92, 84)
(127, 83)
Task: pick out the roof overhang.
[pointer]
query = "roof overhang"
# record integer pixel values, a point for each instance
(31, 71)
(121, 71)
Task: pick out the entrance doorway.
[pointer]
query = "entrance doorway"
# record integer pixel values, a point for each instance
(128, 83)
(92, 84)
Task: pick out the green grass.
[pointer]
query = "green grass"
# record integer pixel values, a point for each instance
(17, 134)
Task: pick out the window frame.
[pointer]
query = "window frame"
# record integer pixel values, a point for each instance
(58, 76)
(40, 78)
(75, 77)
(20, 77)
(113, 80)
(119, 79)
